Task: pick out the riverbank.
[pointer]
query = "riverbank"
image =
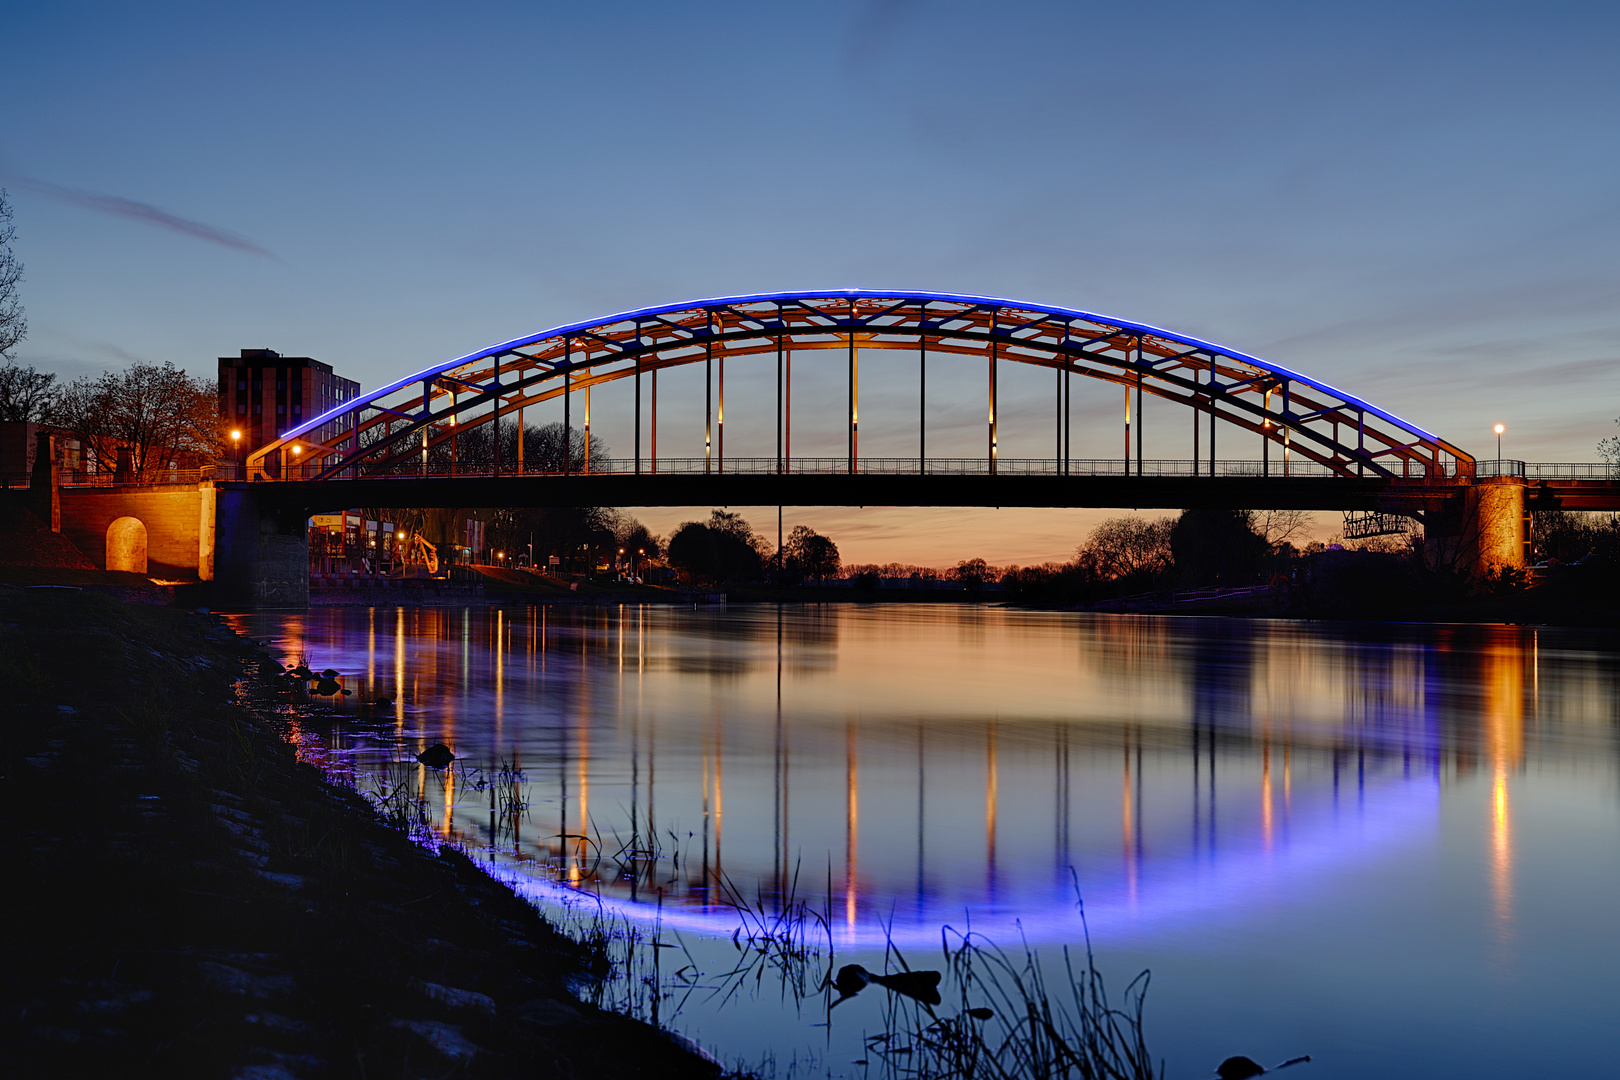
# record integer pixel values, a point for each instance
(187, 899)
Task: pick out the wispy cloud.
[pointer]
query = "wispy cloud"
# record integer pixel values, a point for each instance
(118, 206)
(875, 29)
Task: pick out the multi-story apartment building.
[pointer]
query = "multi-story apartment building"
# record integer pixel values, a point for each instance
(263, 394)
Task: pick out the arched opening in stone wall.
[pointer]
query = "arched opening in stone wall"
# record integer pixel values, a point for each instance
(126, 545)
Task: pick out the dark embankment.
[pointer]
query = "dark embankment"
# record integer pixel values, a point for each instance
(184, 898)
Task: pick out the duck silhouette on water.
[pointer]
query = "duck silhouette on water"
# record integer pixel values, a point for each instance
(436, 756)
(921, 986)
(1242, 1068)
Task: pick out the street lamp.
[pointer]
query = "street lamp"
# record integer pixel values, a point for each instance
(1499, 430)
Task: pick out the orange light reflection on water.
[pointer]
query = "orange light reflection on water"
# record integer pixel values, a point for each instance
(1504, 741)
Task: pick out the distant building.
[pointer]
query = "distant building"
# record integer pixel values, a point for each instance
(263, 395)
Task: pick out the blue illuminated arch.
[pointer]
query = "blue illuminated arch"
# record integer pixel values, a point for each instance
(1302, 417)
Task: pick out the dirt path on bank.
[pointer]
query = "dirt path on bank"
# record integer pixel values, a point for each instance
(185, 899)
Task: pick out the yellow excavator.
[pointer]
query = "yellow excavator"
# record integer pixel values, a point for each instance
(421, 560)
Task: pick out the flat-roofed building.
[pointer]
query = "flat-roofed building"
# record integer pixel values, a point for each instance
(263, 395)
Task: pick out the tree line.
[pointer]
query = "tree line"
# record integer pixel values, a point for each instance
(155, 415)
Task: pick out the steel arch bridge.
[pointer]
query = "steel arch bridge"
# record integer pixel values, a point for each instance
(414, 426)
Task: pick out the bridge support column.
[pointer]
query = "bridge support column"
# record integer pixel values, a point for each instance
(1485, 531)
(261, 550)
(46, 482)
(1501, 523)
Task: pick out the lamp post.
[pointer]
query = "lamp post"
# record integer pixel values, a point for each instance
(1499, 430)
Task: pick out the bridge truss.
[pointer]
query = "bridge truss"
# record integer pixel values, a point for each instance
(417, 425)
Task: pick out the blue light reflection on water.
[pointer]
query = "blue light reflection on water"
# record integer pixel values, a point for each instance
(1232, 797)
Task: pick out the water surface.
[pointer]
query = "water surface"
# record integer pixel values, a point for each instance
(1390, 847)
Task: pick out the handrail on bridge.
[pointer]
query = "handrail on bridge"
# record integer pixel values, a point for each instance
(886, 466)
(871, 466)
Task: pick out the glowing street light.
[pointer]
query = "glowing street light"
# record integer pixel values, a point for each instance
(1499, 430)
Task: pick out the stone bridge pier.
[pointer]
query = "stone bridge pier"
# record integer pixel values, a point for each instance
(261, 549)
(1483, 529)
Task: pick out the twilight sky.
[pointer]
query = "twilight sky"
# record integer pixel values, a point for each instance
(1416, 202)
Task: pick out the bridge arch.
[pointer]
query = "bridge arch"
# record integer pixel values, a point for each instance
(1303, 424)
(127, 545)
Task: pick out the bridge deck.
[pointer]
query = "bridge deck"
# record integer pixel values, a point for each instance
(1102, 483)
(870, 489)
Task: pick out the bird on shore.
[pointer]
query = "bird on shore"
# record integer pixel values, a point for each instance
(436, 756)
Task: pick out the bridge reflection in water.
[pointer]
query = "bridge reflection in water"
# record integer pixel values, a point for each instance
(908, 765)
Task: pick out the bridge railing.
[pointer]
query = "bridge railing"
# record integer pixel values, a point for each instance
(1576, 470)
(88, 478)
(832, 466)
(828, 466)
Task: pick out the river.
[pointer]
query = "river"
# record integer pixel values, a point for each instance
(1390, 847)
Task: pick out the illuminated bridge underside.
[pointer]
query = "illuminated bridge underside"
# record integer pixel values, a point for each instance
(1303, 426)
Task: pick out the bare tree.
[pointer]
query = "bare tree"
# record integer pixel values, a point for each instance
(26, 395)
(13, 327)
(1609, 449)
(1280, 527)
(159, 415)
(1128, 549)
(809, 554)
(971, 574)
